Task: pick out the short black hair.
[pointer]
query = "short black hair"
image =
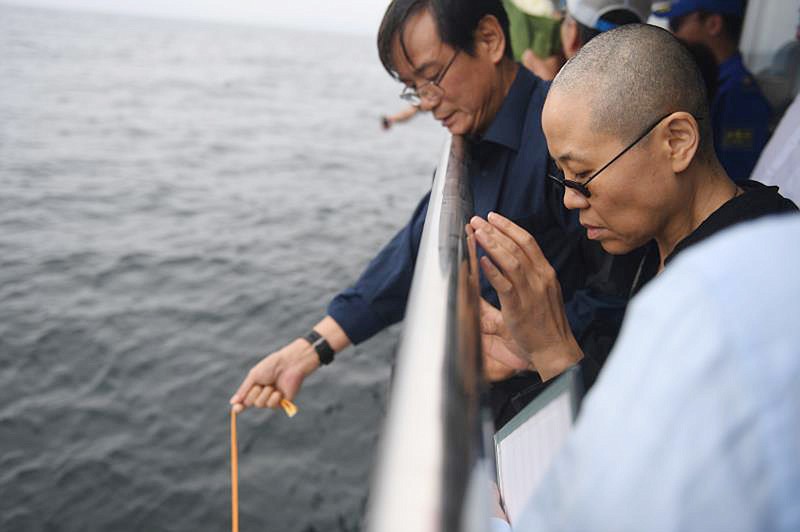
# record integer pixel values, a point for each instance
(456, 21)
(618, 17)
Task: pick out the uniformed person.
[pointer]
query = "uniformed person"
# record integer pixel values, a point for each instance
(740, 113)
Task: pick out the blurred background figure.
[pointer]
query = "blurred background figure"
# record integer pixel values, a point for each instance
(780, 81)
(780, 162)
(580, 22)
(399, 117)
(708, 67)
(535, 35)
(740, 113)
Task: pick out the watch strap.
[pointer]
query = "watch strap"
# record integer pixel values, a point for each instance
(312, 336)
(324, 351)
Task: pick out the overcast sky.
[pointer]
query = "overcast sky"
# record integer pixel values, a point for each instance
(350, 16)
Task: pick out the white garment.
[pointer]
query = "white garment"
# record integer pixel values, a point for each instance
(779, 163)
(539, 8)
(694, 423)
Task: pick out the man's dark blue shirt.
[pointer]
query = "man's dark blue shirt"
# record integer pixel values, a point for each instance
(508, 174)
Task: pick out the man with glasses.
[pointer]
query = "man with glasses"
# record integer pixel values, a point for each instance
(633, 183)
(740, 114)
(454, 58)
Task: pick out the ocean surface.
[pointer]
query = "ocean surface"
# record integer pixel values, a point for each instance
(178, 199)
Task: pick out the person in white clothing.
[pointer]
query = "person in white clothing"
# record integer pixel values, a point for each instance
(694, 423)
(779, 163)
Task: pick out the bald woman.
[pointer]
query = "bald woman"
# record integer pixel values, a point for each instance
(627, 124)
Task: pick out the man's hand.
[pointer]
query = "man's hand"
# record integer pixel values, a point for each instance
(531, 304)
(502, 356)
(278, 376)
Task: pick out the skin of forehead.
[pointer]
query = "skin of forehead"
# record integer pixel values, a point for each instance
(421, 37)
(568, 116)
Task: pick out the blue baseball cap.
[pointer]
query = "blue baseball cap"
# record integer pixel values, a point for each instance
(591, 12)
(679, 8)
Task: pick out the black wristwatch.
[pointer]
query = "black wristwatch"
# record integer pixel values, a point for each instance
(321, 346)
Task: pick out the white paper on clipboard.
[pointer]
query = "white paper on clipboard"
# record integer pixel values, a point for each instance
(526, 446)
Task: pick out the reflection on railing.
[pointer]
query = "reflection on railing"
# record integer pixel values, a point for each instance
(431, 471)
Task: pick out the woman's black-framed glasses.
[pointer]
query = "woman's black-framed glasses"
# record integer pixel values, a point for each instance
(429, 91)
(558, 174)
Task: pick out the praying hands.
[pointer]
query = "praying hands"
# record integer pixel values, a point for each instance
(530, 330)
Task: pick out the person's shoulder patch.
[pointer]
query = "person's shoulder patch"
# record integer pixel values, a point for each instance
(737, 139)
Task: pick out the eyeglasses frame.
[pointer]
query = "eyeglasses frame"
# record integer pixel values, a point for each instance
(413, 96)
(581, 188)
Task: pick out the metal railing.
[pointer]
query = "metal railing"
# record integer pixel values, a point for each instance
(432, 470)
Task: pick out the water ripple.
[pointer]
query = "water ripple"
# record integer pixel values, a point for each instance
(177, 200)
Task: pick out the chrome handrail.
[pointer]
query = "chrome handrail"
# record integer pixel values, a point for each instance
(431, 473)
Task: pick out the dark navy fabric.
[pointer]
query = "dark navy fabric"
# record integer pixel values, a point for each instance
(507, 172)
(679, 8)
(378, 298)
(740, 117)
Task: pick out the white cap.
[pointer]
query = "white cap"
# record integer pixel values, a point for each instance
(589, 12)
(540, 8)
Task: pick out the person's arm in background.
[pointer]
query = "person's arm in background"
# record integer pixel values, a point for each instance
(546, 68)
(536, 38)
(399, 117)
(377, 300)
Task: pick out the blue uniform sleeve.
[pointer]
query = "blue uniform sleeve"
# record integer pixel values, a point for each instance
(378, 299)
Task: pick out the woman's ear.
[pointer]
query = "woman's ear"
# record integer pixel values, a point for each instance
(683, 140)
(490, 37)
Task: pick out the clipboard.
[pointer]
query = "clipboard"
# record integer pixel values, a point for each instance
(526, 446)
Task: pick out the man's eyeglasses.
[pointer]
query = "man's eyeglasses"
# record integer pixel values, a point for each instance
(558, 174)
(430, 91)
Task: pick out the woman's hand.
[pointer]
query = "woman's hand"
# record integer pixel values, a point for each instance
(531, 304)
(502, 357)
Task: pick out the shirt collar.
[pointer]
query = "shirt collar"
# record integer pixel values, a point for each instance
(731, 66)
(507, 127)
(756, 201)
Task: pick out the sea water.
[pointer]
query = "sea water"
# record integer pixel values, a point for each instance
(178, 199)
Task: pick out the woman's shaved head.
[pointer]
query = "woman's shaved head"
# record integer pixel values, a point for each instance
(630, 76)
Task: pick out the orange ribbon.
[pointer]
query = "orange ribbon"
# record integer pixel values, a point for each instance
(290, 410)
(234, 475)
